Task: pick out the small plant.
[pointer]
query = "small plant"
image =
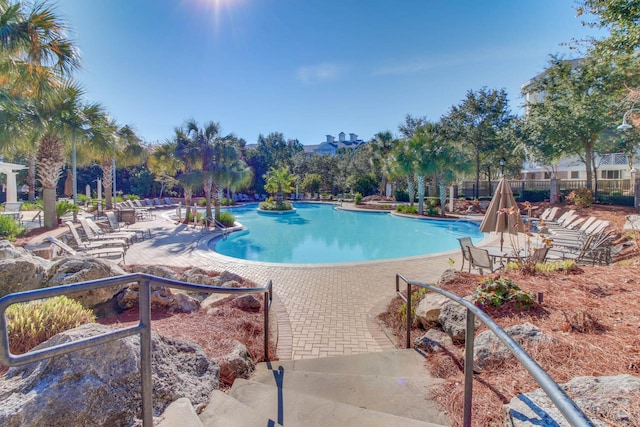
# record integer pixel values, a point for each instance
(32, 323)
(496, 292)
(10, 228)
(63, 207)
(272, 205)
(227, 219)
(451, 262)
(416, 297)
(407, 209)
(357, 198)
(432, 211)
(582, 198)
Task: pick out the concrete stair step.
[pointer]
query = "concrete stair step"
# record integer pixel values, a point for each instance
(396, 363)
(225, 411)
(302, 410)
(180, 413)
(401, 396)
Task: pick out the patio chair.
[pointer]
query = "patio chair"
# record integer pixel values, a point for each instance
(169, 203)
(465, 242)
(93, 244)
(115, 225)
(539, 255)
(94, 232)
(481, 260)
(100, 253)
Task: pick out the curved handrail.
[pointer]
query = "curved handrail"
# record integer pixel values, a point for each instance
(143, 328)
(565, 405)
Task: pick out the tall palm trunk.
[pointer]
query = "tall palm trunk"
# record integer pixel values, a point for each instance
(208, 187)
(411, 190)
(31, 176)
(107, 182)
(50, 162)
(420, 194)
(188, 194)
(218, 193)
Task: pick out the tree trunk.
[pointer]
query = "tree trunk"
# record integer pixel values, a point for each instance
(188, 194)
(50, 162)
(411, 190)
(443, 198)
(107, 182)
(420, 194)
(31, 176)
(476, 192)
(218, 193)
(208, 186)
(588, 159)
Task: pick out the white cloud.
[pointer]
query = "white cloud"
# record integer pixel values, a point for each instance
(325, 71)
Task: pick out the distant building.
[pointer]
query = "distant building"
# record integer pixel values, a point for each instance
(331, 146)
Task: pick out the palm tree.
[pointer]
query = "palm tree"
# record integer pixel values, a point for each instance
(163, 163)
(186, 153)
(279, 181)
(382, 144)
(402, 163)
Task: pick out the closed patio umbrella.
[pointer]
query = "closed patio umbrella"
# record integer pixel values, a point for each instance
(503, 214)
(68, 184)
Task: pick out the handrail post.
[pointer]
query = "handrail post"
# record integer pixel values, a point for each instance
(468, 368)
(409, 319)
(266, 326)
(144, 292)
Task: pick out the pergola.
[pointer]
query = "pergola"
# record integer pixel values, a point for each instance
(11, 170)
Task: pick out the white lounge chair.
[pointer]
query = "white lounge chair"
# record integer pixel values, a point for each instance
(100, 253)
(93, 244)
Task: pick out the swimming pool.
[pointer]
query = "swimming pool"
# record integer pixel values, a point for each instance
(319, 234)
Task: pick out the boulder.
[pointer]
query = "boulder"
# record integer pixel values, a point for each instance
(100, 386)
(237, 363)
(247, 302)
(227, 276)
(20, 270)
(80, 268)
(428, 310)
(197, 275)
(614, 398)
(488, 350)
(453, 319)
(156, 270)
(434, 341)
(447, 275)
(161, 297)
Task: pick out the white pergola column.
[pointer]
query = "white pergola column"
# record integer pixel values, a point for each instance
(11, 170)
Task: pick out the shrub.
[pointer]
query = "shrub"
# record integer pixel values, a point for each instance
(582, 198)
(226, 202)
(32, 323)
(497, 291)
(63, 207)
(10, 228)
(408, 209)
(32, 206)
(202, 202)
(416, 297)
(357, 198)
(271, 205)
(227, 219)
(433, 211)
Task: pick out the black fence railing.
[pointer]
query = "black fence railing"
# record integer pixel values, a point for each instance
(605, 191)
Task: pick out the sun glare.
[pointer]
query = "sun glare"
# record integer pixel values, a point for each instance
(218, 11)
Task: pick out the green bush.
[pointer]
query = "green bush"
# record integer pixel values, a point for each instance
(407, 209)
(202, 202)
(10, 228)
(535, 195)
(271, 205)
(30, 324)
(64, 206)
(495, 292)
(226, 202)
(227, 219)
(416, 297)
(357, 198)
(433, 211)
(582, 198)
(32, 206)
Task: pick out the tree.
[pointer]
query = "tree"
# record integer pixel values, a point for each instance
(479, 123)
(579, 98)
(622, 20)
(164, 165)
(381, 146)
(272, 150)
(278, 182)
(311, 183)
(186, 152)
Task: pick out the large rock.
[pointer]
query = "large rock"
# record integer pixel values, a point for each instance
(80, 268)
(237, 363)
(20, 270)
(156, 270)
(161, 297)
(614, 398)
(453, 319)
(100, 386)
(488, 350)
(247, 302)
(428, 310)
(434, 341)
(197, 275)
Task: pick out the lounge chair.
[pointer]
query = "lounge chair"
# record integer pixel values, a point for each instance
(465, 242)
(100, 253)
(169, 203)
(94, 232)
(115, 225)
(539, 255)
(93, 244)
(481, 260)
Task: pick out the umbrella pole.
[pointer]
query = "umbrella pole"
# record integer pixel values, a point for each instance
(501, 240)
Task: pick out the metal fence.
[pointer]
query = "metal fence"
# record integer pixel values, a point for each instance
(606, 191)
(143, 328)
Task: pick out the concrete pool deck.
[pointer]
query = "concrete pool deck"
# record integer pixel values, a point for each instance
(322, 310)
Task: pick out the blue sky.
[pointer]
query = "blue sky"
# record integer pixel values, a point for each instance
(307, 68)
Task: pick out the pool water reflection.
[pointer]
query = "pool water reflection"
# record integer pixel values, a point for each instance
(319, 233)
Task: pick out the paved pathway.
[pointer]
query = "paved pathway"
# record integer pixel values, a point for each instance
(322, 310)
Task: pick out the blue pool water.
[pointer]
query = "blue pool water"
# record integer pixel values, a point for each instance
(319, 233)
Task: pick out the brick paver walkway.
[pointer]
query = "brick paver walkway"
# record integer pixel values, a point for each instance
(322, 310)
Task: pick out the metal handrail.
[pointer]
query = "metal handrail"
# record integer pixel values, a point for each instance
(565, 405)
(143, 328)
